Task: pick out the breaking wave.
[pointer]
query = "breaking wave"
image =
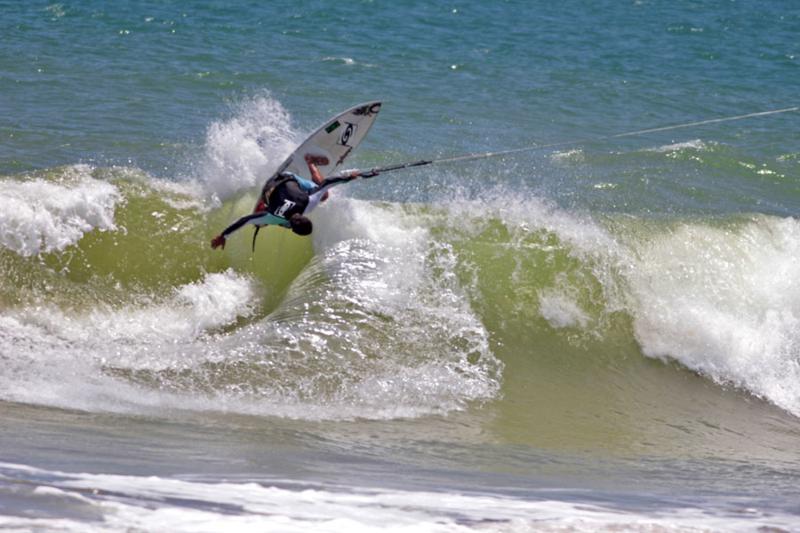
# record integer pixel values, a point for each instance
(112, 300)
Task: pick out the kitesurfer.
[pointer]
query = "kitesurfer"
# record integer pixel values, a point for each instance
(287, 200)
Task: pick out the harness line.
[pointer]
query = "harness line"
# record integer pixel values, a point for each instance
(372, 172)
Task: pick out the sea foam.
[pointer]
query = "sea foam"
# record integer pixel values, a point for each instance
(153, 503)
(242, 150)
(725, 302)
(38, 215)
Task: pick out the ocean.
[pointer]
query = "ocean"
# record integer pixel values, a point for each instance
(602, 335)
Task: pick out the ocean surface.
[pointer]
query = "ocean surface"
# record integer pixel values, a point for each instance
(598, 336)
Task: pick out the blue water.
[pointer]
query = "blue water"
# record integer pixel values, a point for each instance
(609, 322)
(140, 80)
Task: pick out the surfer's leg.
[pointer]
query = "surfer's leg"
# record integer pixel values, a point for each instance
(313, 161)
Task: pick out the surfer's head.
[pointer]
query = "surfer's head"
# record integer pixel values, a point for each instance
(300, 225)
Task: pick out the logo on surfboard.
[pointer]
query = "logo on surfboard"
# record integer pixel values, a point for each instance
(368, 110)
(348, 132)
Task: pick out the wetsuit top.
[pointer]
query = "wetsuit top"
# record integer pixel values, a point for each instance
(296, 195)
(290, 198)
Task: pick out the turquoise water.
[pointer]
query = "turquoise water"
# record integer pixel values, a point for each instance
(600, 335)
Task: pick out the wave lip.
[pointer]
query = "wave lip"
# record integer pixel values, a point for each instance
(38, 215)
(725, 302)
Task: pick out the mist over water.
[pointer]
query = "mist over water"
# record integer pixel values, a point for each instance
(242, 149)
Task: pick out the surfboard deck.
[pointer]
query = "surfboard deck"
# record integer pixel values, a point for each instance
(335, 140)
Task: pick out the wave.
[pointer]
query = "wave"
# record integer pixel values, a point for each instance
(157, 503)
(144, 314)
(697, 145)
(391, 309)
(394, 310)
(724, 301)
(718, 295)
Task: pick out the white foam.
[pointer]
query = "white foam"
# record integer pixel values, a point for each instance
(726, 303)
(57, 357)
(531, 214)
(575, 155)
(243, 150)
(166, 504)
(412, 346)
(341, 218)
(180, 195)
(695, 144)
(41, 216)
(376, 327)
(343, 60)
(561, 310)
(219, 299)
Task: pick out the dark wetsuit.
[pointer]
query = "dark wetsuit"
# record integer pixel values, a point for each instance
(290, 198)
(296, 195)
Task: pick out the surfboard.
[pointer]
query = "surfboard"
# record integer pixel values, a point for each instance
(334, 140)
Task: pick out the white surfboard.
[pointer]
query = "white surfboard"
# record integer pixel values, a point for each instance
(335, 140)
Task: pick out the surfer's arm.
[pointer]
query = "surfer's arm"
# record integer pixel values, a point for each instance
(322, 184)
(338, 180)
(219, 240)
(316, 195)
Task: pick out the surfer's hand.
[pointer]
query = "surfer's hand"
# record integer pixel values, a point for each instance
(218, 241)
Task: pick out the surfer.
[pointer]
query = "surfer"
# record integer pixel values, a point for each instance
(287, 200)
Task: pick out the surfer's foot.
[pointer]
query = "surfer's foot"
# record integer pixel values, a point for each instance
(317, 159)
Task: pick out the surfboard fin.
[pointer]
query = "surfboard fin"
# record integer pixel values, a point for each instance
(255, 234)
